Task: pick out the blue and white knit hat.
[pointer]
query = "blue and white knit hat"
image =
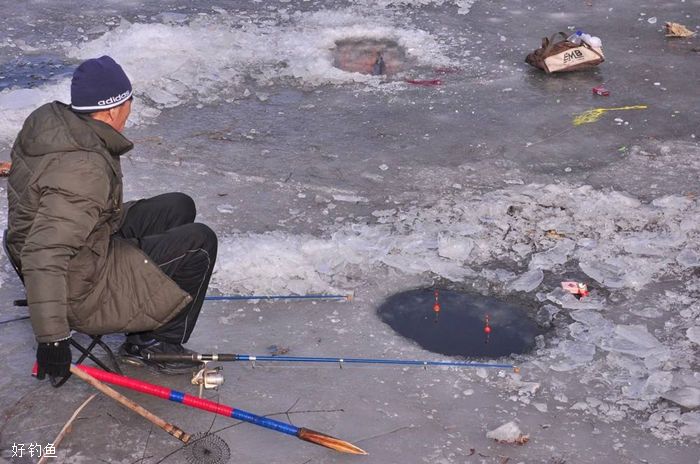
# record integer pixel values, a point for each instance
(99, 84)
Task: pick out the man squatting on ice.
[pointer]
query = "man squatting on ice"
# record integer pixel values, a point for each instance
(88, 261)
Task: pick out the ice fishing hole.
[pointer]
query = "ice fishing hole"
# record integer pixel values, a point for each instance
(361, 55)
(459, 328)
(32, 70)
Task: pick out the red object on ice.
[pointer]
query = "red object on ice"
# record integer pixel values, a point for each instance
(601, 90)
(424, 82)
(578, 289)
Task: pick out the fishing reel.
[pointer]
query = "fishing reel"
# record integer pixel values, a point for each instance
(208, 378)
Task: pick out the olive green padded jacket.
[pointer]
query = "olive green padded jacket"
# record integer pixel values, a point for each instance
(65, 203)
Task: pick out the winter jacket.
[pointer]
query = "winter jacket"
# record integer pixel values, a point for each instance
(65, 203)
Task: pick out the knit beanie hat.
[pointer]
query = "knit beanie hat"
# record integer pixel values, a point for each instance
(99, 84)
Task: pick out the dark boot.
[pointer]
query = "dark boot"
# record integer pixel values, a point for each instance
(136, 354)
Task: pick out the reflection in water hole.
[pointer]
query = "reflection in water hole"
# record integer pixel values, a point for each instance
(460, 324)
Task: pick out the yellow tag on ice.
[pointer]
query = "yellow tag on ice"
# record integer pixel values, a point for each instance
(595, 114)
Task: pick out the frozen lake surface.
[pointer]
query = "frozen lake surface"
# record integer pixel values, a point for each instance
(318, 180)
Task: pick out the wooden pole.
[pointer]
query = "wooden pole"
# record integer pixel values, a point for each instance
(129, 404)
(66, 428)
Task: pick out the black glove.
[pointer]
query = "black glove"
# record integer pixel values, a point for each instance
(54, 359)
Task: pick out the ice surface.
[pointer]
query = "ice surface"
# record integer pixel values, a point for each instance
(416, 240)
(206, 58)
(463, 6)
(228, 59)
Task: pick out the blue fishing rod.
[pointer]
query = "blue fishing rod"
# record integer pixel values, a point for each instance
(199, 358)
(347, 297)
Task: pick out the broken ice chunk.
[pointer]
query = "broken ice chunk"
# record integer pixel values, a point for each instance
(688, 258)
(651, 244)
(649, 312)
(590, 318)
(384, 213)
(606, 273)
(579, 406)
(656, 385)
(576, 354)
(350, 198)
(691, 424)
(523, 388)
(687, 397)
(558, 254)
(527, 282)
(568, 301)
(508, 433)
(541, 407)
(168, 17)
(632, 339)
(454, 247)
(693, 334)
(545, 315)
(226, 209)
(672, 202)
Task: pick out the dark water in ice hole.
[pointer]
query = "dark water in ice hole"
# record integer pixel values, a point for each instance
(458, 328)
(32, 70)
(360, 55)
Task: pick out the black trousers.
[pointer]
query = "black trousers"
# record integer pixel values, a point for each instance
(164, 228)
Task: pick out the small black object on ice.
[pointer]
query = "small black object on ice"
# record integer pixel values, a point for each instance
(207, 448)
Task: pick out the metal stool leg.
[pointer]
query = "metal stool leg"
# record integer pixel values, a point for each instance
(87, 353)
(110, 355)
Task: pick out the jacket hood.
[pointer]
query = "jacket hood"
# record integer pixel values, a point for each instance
(55, 128)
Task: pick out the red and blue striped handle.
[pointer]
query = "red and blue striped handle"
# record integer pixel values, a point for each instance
(189, 400)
